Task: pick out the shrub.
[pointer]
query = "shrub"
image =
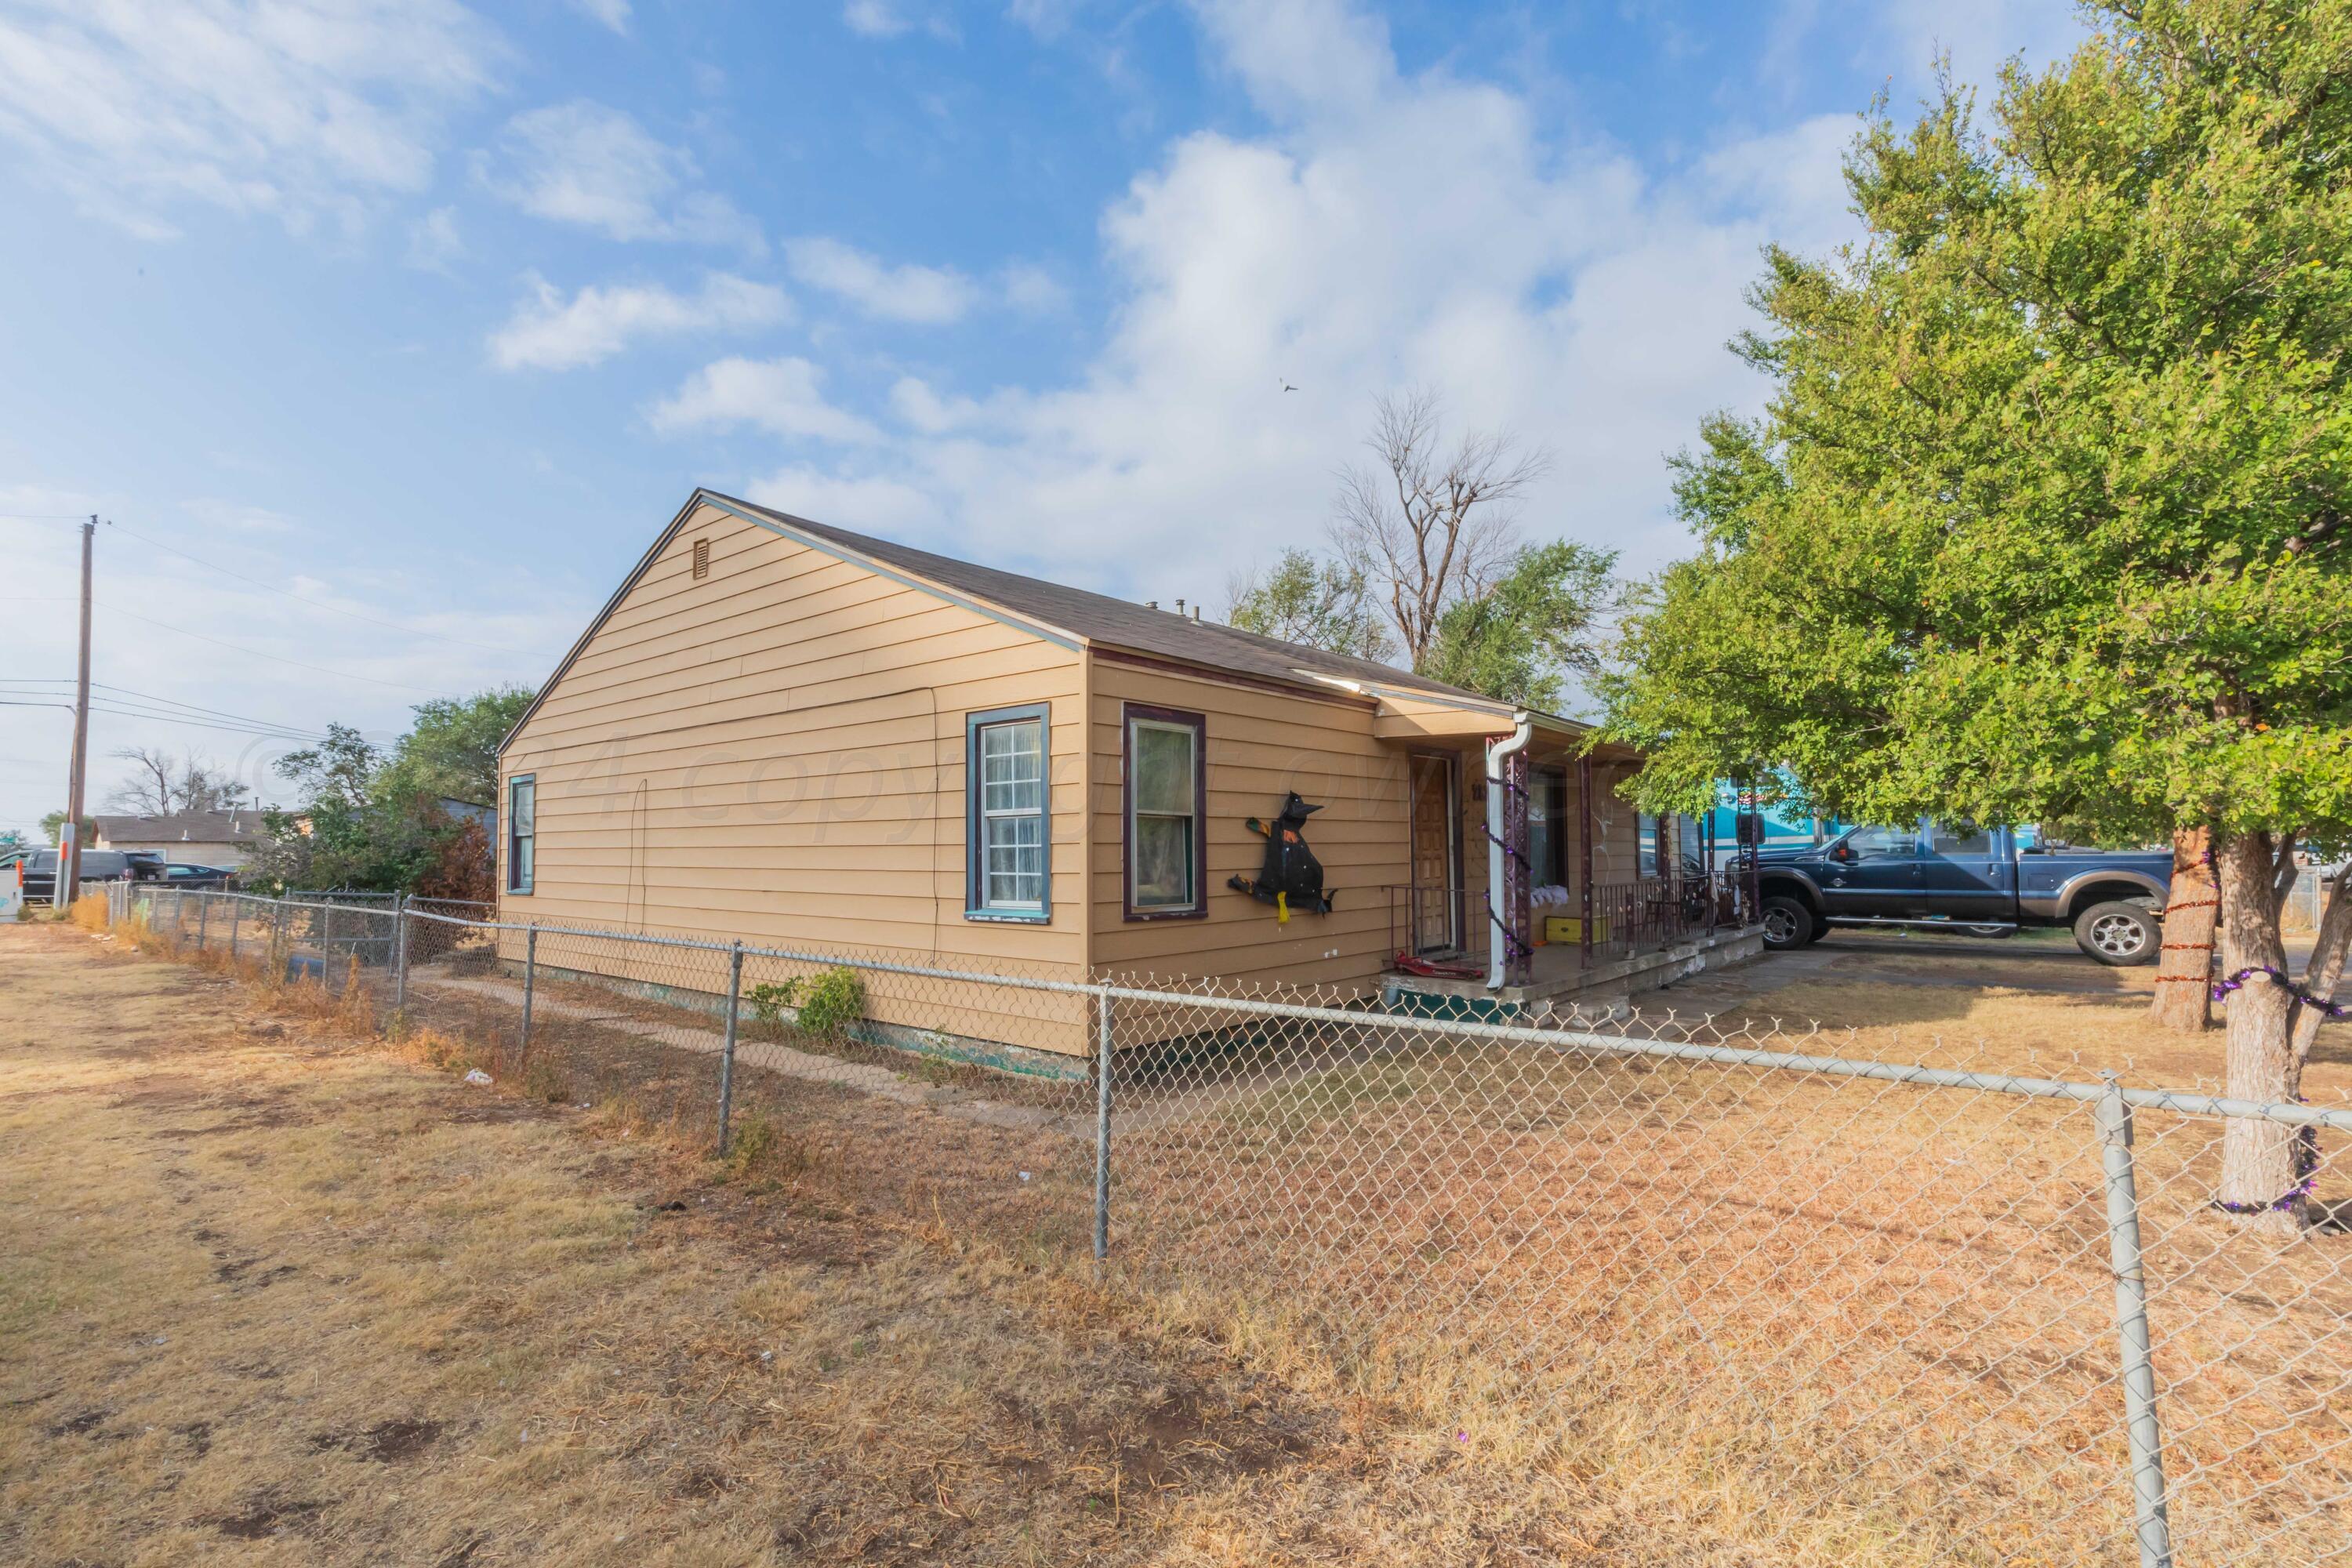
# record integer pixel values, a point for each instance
(91, 911)
(757, 1147)
(769, 1001)
(831, 1001)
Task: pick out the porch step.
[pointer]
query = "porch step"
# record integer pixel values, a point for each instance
(1449, 1008)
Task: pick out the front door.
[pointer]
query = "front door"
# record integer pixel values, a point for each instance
(1436, 846)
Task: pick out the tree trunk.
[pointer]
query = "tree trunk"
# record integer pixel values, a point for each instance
(2184, 976)
(2259, 1174)
(2326, 967)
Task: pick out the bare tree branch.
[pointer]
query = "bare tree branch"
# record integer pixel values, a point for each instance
(1428, 526)
(163, 785)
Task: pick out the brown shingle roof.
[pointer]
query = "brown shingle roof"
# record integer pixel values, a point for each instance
(1099, 619)
(240, 826)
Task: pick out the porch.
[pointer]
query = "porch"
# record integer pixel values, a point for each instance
(1535, 882)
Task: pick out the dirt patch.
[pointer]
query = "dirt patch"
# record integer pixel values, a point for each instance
(386, 1443)
(263, 1518)
(653, 1355)
(78, 1425)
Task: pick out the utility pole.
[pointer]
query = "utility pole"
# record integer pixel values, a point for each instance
(68, 882)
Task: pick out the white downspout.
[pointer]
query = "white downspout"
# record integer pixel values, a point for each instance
(1497, 929)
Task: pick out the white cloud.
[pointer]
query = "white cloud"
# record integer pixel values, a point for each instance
(1389, 230)
(783, 397)
(434, 241)
(551, 332)
(588, 165)
(614, 14)
(903, 293)
(892, 19)
(868, 504)
(1030, 289)
(298, 109)
(873, 19)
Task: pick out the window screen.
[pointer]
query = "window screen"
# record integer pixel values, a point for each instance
(523, 831)
(1163, 813)
(1008, 826)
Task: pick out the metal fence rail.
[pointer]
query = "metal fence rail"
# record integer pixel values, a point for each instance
(1813, 1306)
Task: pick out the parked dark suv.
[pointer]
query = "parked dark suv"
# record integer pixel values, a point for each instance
(1981, 880)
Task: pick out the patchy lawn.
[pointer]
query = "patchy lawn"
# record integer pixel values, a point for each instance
(270, 1297)
(273, 1292)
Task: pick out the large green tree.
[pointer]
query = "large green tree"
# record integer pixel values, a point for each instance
(1318, 603)
(374, 819)
(1539, 626)
(452, 749)
(2050, 514)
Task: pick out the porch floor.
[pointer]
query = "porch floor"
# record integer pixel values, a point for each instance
(1559, 977)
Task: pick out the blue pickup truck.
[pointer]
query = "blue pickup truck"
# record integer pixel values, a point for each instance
(1984, 881)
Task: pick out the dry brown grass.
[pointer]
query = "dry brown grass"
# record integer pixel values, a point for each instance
(1441, 1306)
(275, 1295)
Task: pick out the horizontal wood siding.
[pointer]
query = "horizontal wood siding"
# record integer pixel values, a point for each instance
(1261, 745)
(776, 752)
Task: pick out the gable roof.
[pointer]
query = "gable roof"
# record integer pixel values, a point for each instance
(1069, 616)
(1101, 620)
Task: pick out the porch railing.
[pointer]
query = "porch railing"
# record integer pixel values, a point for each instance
(1447, 928)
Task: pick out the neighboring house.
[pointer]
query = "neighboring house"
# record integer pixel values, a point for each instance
(469, 811)
(222, 838)
(807, 737)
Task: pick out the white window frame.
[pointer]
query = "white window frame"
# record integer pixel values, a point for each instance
(979, 903)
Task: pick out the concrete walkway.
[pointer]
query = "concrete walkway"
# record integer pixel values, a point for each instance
(767, 1056)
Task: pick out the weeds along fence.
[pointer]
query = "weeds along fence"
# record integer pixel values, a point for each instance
(1799, 1308)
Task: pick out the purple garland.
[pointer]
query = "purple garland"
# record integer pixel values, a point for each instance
(2330, 1010)
(1512, 948)
(2307, 1169)
(2306, 1140)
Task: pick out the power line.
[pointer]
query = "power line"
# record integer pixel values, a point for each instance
(150, 697)
(122, 709)
(256, 653)
(160, 718)
(287, 592)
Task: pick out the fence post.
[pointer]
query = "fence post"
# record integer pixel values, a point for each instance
(727, 1054)
(1102, 1132)
(203, 922)
(277, 954)
(399, 952)
(529, 982)
(2151, 1525)
(235, 920)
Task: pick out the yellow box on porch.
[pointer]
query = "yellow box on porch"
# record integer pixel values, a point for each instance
(1570, 928)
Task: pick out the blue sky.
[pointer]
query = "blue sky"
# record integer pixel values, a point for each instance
(414, 322)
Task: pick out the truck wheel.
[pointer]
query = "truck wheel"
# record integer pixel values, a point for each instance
(1787, 924)
(1821, 929)
(2119, 933)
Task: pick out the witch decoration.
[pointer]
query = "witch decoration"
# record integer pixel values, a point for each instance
(1292, 878)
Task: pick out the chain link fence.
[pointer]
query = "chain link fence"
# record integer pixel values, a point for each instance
(1825, 1307)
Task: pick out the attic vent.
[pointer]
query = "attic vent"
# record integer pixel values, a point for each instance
(701, 559)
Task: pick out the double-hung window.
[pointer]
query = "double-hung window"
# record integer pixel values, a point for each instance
(522, 830)
(1009, 877)
(1165, 855)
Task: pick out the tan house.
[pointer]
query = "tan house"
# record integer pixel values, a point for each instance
(814, 739)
